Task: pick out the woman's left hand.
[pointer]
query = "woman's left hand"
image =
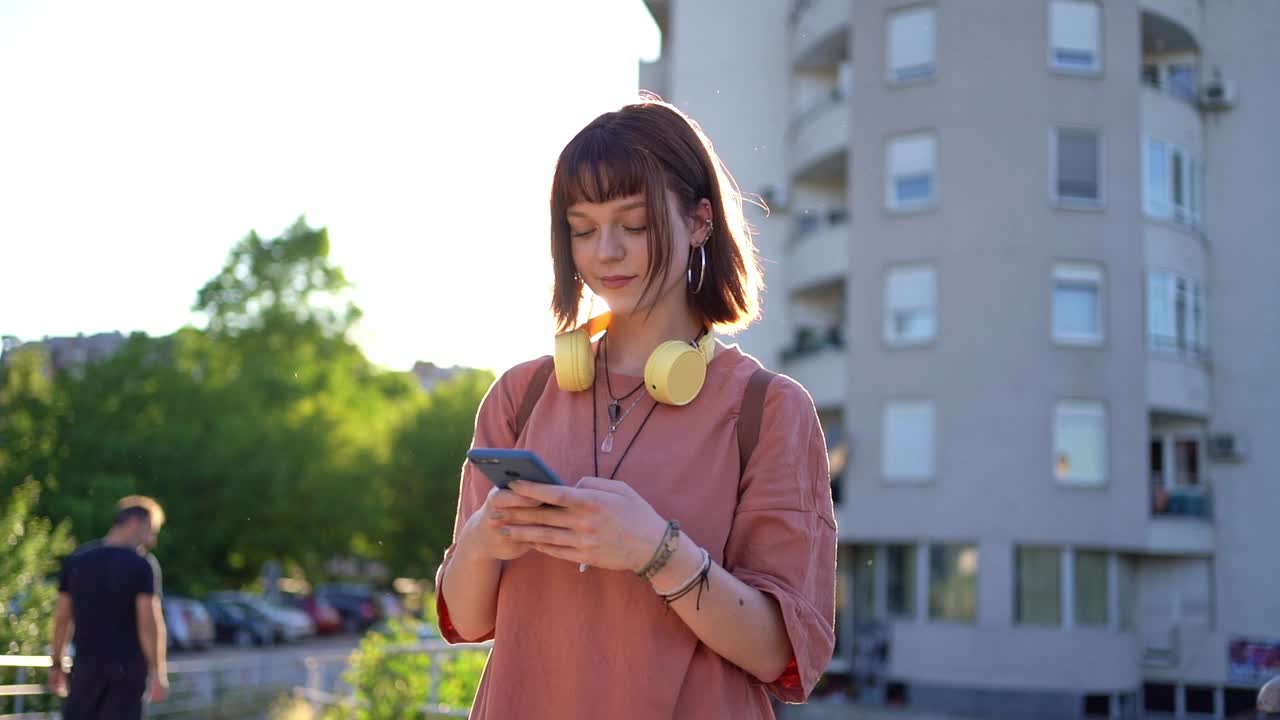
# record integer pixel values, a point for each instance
(602, 523)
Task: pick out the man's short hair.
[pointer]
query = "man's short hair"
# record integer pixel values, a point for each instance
(139, 506)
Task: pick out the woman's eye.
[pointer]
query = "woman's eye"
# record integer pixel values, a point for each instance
(640, 229)
(582, 233)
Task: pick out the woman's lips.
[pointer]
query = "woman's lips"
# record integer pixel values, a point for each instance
(613, 282)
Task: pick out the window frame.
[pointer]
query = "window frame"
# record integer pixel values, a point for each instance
(908, 403)
(1079, 273)
(890, 335)
(1079, 407)
(892, 202)
(893, 74)
(1075, 203)
(1095, 68)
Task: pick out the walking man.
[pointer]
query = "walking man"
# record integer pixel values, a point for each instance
(109, 601)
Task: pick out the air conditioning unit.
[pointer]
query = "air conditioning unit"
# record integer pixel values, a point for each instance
(1227, 447)
(1217, 95)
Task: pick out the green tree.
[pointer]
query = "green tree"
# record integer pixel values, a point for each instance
(425, 469)
(28, 566)
(28, 418)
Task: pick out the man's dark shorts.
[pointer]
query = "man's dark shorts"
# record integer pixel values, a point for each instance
(110, 691)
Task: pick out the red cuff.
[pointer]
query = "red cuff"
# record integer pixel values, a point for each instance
(448, 631)
(790, 677)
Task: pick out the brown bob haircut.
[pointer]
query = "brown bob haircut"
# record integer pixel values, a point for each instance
(648, 148)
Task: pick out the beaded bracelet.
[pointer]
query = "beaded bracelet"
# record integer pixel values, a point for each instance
(666, 547)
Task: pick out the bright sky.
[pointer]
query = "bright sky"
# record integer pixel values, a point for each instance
(141, 139)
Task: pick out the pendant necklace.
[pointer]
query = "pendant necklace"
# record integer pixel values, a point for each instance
(616, 416)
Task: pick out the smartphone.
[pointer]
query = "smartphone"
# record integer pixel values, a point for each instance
(504, 465)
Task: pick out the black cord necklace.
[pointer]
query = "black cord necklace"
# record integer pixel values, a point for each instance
(595, 429)
(615, 407)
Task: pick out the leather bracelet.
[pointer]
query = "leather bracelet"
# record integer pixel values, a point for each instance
(670, 541)
(703, 566)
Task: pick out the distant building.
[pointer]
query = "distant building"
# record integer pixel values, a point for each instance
(66, 353)
(429, 375)
(1022, 255)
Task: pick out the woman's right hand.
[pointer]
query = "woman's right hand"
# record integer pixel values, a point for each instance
(482, 529)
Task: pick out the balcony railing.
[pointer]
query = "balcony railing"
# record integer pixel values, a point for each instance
(809, 222)
(1180, 502)
(809, 341)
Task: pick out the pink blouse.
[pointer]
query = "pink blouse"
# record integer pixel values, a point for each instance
(601, 644)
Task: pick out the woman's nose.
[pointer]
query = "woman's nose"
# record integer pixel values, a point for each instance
(610, 245)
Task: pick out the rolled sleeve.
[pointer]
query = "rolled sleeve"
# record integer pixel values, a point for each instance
(493, 429)
(784, 538)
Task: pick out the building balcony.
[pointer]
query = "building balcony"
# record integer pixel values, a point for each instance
(818, 361)
(1181, 520)
(1168, 114)
(1177, 378)
(1171, 26)
(819, 33)
(819, 252)
(820, 141)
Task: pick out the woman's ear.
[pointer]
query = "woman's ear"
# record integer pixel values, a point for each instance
(703, 220)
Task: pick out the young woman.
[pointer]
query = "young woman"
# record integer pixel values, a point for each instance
(666, 579)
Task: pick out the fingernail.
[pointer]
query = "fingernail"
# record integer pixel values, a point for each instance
(496, 515)
(504, 531)
(514, 484)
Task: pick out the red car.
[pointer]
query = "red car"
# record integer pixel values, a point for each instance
(322, 614)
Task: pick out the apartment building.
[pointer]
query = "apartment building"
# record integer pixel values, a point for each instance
(1021, 253)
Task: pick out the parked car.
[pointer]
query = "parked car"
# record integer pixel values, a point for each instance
(188, 623)
(322, 613)
(238, 625)
(356, 605)
(291, 625)
(286, 624)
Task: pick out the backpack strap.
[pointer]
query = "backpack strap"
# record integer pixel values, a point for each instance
(532, 392)
(750, 417)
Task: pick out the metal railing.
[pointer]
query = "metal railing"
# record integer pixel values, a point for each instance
(325, 689)
(247, 682)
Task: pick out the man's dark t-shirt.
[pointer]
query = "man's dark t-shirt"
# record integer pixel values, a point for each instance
(104, 582)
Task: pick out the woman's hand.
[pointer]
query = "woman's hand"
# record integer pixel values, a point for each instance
(602, 523)
(482, 530)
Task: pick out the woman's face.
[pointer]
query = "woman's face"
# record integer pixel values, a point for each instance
(611, 249)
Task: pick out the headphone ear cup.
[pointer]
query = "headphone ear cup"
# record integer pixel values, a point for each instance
(675, 372)
(574, 361)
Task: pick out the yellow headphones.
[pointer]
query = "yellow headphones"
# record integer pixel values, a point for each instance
(673, 375)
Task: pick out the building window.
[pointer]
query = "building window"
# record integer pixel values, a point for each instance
(1074, 31)
(953, 582)
(911, 169)
(1176, 315)
(910, 305)
(1177, 77)
(1080, 443)
(912, 43)
(1038, 592)
(1173, 183)
(1077, 162)
(1176, 482)
(900, 561)
(1077, 304)
(908, 440)
(1092, 587)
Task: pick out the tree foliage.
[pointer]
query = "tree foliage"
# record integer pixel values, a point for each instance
(267, 435)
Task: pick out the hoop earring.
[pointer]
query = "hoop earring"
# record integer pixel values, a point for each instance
(702, 270)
